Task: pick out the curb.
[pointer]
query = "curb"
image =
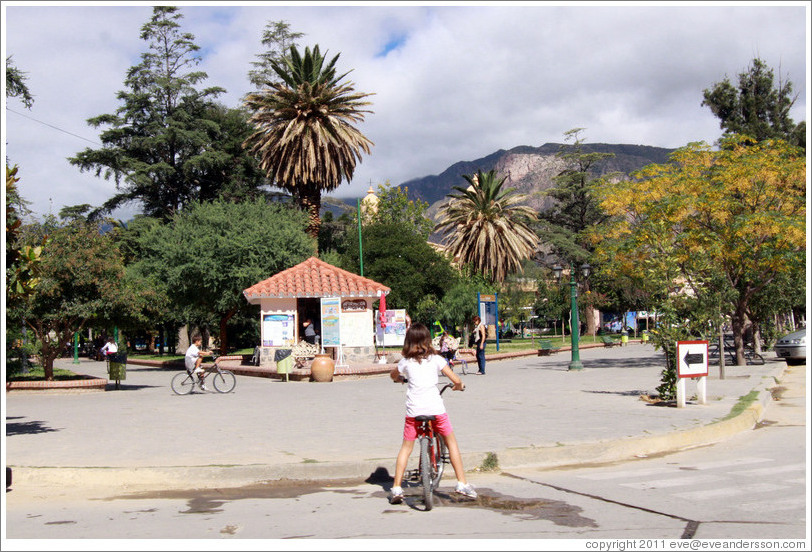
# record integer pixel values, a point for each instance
(542, 458)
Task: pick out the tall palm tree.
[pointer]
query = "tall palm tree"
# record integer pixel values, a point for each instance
(305, 140)
(486, 227)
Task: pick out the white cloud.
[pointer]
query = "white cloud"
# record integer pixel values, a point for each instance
(460, 83)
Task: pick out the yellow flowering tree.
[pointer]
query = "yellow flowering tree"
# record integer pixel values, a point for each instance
(720, 225)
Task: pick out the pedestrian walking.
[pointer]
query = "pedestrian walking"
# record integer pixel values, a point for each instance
(480, 333)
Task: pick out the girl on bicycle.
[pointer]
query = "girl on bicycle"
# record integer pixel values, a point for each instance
(421, 366)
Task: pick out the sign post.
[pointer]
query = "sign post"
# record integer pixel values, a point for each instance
(488, 307)
(692, 362)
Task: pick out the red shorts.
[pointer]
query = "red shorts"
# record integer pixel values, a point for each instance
(442, 425)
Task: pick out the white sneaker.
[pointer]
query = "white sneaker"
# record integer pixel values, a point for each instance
(466, 490)
(397, 495)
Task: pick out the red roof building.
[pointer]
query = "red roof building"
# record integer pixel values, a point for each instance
(324, 294)
(314, 278)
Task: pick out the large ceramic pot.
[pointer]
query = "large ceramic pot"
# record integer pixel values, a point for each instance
(322, 368)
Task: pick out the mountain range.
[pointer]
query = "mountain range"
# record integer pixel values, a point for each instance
(528, 169)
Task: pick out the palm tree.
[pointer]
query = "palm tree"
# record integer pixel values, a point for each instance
(305, 140)
(487, 228)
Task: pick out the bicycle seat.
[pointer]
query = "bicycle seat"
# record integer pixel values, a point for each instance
(425, 418)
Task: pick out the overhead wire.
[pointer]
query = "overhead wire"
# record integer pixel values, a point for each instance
(53, 126)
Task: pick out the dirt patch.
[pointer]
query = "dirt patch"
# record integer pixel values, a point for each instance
(777, 392)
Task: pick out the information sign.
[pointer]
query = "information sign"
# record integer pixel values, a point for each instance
(330, 321)
(277, 330)
(395, 331)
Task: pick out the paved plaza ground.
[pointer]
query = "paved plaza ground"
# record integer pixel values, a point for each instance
(526, 411)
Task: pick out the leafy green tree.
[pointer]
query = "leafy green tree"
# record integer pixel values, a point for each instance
(564, 228)
(227, 171)
(206, 255)
(395, 207)
(334, 233)
(518, 292)
(785, 294)
(725, 223)
(552, 301)
(486, 227)
(15, 84)
(566, 225)
(82, 282)
(458, 305)
(23, 261)
(757, 107)
(168, 144)
(305, 139)
(75, 212)
(403, 261)
(277, 37)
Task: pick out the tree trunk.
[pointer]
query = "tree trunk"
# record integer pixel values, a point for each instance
(721, 351)
(738, 321)
(223, 334)
(310, 202)
(757, 338)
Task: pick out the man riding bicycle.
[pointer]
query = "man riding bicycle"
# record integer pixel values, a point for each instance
(194, 358)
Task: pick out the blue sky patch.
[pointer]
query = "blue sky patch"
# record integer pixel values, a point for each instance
(393, 44)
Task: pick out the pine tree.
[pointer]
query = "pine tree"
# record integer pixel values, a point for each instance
(165, 145)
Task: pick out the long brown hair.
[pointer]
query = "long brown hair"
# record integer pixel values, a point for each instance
(417, 344)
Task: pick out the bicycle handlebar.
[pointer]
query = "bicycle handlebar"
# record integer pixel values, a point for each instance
(446, 386)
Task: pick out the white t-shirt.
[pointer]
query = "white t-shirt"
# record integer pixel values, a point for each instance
(191, 356)
(109, 347)
(423, 396)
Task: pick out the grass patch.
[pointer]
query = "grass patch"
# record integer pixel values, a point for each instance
(744, 402)
(37, 373)
(147, 356)
(167, 357)
(490, 463)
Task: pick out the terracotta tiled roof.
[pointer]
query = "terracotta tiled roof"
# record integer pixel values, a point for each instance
(314, 278)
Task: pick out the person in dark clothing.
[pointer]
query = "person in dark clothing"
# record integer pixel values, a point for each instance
(309, 331)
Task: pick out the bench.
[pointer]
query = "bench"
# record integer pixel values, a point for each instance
(608, 341)
(546, 347)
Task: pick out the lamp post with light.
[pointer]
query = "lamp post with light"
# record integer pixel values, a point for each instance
(575, 361)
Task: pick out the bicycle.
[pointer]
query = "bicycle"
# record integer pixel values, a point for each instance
(457, 359)
(223, 381)
(433, 457)
(750, 355)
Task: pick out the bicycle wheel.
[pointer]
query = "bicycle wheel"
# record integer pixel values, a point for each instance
(425, 472)
(224, 381)
(440, 454)
(464, 364)
(183, 383)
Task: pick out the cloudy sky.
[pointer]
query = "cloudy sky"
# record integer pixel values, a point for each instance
(452, 82)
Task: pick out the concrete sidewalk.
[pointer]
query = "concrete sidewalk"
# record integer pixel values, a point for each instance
(528, 411)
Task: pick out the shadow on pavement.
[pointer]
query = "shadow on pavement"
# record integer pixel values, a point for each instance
(26, 428)
(126, 387)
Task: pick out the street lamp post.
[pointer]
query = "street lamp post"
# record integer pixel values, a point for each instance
(575, 330)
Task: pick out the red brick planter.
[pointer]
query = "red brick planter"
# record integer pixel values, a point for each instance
(88, 383)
